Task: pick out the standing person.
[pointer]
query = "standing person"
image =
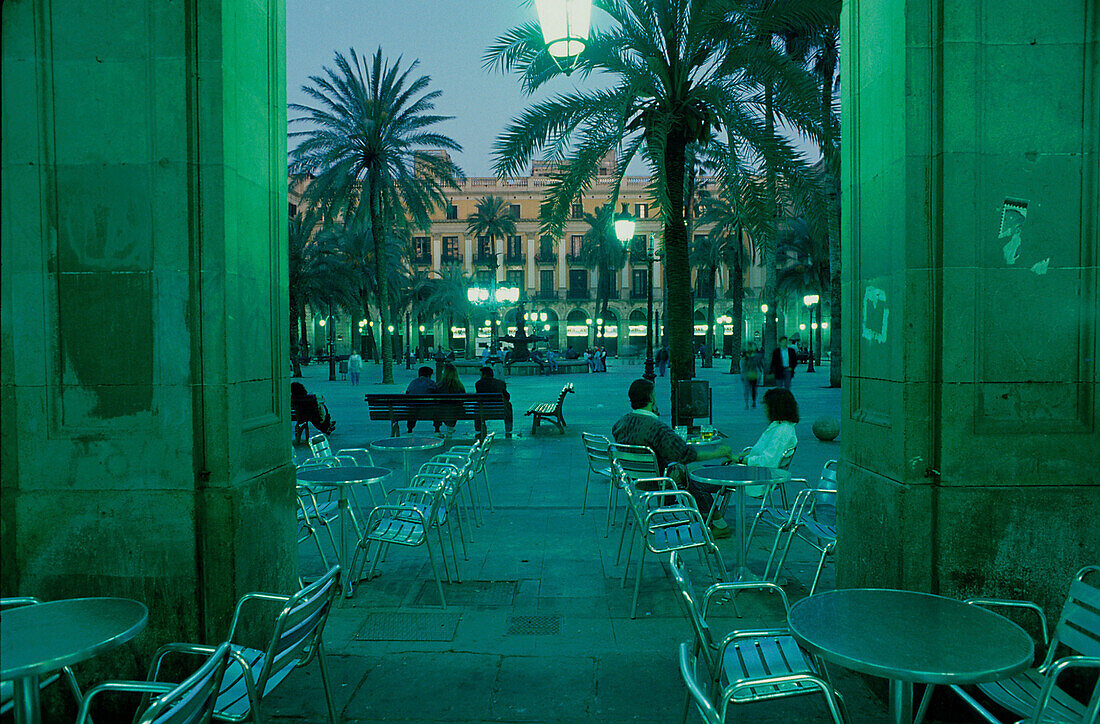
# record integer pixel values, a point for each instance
(641, 426)
(752, 369)
(489, 384)
(784, 360)
(601, 359)
(355, 366)
(590, 358)
(662, 360)
(422, 385)
(450, 384)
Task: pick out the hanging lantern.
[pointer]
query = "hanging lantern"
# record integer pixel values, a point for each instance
(624, 227)
(565, 25)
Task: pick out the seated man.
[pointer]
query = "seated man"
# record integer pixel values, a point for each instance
(308, 409)
(422, 385)
(552, 360)
(488, 385)
(641, 426)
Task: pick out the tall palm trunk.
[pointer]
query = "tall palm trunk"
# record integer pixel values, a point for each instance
(304, 344)
(678, 267)
(710, 311)
(832, 177)
(771, 276)
(295, 363)
(737, 292)
(382, 275)
(471, 340)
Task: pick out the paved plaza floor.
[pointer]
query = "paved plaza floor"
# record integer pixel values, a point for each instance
(539, 629)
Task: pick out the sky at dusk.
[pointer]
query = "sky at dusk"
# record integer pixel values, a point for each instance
(449, 37)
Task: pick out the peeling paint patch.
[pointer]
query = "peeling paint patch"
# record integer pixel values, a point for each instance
(875, 315)
(1040, 268)
(1013, 215)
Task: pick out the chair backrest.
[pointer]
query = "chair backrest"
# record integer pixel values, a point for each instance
(194, 698)
(596, 448)
(299, 626)
(828, 476)
(318, 445)
(704, 639)
(314, 463)
(696, 690)
(637, 461)
(360, 455)
(1079, 627)
(788, 456)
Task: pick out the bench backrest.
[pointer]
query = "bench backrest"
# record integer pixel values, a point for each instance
(462, 406)
(564, 391)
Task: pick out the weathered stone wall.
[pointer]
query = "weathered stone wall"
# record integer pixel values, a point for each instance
(970, 228)
(146, 438)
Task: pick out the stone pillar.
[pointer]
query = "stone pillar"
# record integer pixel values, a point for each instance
(146, 436)
(970, 235)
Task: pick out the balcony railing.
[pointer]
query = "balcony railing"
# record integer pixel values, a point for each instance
(574, 259)
(447, 258)
(541, 258)
(485, 260)
(578, 294)
(422, 259)
(542, 294)
(514, 259)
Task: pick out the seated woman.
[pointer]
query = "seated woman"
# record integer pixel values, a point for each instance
(308, 409)
(781, 409)
(450, 384)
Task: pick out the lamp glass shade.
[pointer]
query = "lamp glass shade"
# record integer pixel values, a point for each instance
(321, 322)
(565, 25)
(810, 299)
(624, 227)
(764, 308)
(542, 316)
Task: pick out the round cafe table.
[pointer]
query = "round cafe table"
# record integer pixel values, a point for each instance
(343, 479)
(41, 638)
(909, 637)
(736, 478)
(407, 445)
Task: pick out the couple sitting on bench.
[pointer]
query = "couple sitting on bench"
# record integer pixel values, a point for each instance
(451, 384)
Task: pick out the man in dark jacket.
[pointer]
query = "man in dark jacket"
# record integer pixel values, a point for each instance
(784, 360)
(489, 385)
(422, 385)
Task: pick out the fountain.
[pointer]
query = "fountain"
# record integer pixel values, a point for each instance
(519, 340)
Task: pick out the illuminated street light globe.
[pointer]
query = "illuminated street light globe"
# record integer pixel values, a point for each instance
(810, 299)
(389, 328)
(507, 294)
(321, 321)
(764, 308)
(624, 227)
(565, 25)
(824, 325)
(588, 321)
(422, 328)
(542, 316)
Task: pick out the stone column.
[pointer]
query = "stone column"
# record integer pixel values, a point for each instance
(144, 359)
(970, 234)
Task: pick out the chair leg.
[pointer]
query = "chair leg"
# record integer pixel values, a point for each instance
(771, 556)
(377, 557)
(629, 553)
(443, 554)
(924, 700)
(454, 553)
(637, 582)
(820, 564)
(488, 492)
(622, 536)
(610, 499)
(587, 479)
(435, 571)
(325, 682)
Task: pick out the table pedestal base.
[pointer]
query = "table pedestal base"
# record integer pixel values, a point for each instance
(27, 706)
(901, 701)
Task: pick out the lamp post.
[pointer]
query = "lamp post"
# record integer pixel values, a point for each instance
(408, 338)
(565, 25)
(492, 298)
(331, 345)
(624, 232)
(811, 300)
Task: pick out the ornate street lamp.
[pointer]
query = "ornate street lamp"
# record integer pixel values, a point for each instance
(624, 232)
(565, 25)
(811, 300)
(492, 299)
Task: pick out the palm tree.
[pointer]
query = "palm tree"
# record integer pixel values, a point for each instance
(370, 146)
(317, 277)
(678, 69)
(602, 251)
(805, 250)
(491, 218)
(739, 206)
(448, 298)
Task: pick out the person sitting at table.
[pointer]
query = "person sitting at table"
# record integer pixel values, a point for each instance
(488, 384)
(641, 426)
(422, 385)
(307, 408)
(781, 409)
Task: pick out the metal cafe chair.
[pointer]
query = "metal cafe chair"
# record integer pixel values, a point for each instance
(599, 463)
(189, 702)
(7, 689)
(1035, 694)
(306, 528)
(637, 461)
(668, 521)
(746, 666)
(479, 453)
(404, 524)
(296, 640)
(804, 523)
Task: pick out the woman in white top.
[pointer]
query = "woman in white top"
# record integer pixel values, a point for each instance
(779, 436)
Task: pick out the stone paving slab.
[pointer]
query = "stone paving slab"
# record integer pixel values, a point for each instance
(537, 556)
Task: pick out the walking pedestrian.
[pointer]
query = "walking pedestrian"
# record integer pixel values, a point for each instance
(752, 369)
(662, 360)
(355, 366)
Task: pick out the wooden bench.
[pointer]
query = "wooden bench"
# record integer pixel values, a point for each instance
(551, 411)
(399, 408)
